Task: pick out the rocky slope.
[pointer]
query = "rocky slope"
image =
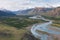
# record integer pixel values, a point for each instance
(33, 11)
(40, 11)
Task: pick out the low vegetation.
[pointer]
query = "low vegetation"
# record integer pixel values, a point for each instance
(42, 32)
(14, 28)
(56, 20)
(10, 33)
(51, 17)
(19, 22)
(56, 23)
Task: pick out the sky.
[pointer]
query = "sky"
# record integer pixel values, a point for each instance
(26, 4)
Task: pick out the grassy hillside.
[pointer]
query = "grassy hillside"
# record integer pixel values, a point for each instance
(10, 33)
(56, 20)
(56, 23)
(19, 22)
(15, 28)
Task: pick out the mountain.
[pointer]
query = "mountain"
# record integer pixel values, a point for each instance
(33, 11)
(6, 13)
(39, 11)
(55, 12)
(22, 12)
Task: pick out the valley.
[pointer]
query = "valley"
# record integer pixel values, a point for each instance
(18, 24)
(56, 20)
(15, 28)
(29, 19)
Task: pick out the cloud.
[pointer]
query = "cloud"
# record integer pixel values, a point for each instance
(25, 4)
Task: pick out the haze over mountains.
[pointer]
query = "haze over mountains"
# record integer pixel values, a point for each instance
(40, 11)
(33, 11)
(6, 13)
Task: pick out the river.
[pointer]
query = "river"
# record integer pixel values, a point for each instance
(42, 27)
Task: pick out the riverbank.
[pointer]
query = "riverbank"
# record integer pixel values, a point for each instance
(11, 33)
(56, 25)
(56, 20)
(45, 32)
(17, 28)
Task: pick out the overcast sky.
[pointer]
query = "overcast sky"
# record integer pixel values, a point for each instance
(25, 4)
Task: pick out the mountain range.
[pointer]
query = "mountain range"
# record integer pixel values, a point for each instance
(40, 11)
(6, 13)
(33, 11)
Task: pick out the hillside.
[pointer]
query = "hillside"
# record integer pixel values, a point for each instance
(11, 33)
(39, 11)
(17, 28)
(23, 12)
(54, 13)
(6, 13)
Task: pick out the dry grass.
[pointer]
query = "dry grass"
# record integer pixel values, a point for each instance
(10, 33)
(56, 25)
(42, 32)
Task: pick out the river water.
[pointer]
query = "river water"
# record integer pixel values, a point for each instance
(42, 27)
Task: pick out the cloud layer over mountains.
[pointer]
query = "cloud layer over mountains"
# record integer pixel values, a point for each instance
(25, 4)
